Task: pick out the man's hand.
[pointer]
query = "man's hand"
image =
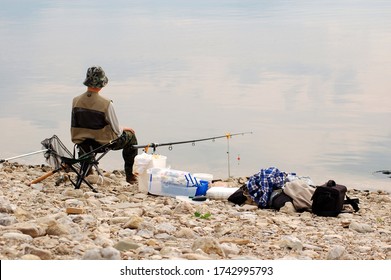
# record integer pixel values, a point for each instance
(128, 129)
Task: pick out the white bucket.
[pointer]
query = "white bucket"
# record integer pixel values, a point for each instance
(142, 163)
(155, 181)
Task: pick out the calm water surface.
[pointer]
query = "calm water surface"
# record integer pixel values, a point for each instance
(310, 79)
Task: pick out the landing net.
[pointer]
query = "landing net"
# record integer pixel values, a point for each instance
(55, 151)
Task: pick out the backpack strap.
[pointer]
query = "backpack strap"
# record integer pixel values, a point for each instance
(353, 202)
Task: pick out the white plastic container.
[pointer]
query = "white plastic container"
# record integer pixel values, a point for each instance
(174, 190)
(176, 177)
(170, 182)
(155, 181)
(142, 163)
(220, 193)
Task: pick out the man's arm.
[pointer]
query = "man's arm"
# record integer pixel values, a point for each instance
(112, 119)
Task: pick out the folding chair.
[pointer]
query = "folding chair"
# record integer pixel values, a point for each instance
(90, 153)
(84, 157)
(91, 148)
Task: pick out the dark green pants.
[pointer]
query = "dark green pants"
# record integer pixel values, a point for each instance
(126, 142)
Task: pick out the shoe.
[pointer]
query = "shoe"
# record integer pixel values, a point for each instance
(133, 179)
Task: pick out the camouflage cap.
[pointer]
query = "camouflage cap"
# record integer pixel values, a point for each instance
(95, 77)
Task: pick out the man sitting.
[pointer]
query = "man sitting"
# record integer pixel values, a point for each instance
(93, 117)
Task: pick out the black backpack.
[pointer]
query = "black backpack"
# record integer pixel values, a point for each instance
(238, 196)
(329, 198)
(279, 200)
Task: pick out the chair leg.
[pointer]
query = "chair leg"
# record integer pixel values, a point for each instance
(86, 161)
(85, 167)
(81, 174)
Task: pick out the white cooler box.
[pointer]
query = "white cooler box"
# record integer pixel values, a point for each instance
(169, 189)
(170, 182)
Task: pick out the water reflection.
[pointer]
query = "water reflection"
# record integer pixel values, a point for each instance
(310, 80)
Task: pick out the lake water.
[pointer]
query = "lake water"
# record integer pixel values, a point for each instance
(310, 79)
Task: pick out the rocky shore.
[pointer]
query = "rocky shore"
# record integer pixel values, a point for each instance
(51, 220)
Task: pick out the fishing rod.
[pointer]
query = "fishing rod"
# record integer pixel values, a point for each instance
(24, 155)
(170, 144)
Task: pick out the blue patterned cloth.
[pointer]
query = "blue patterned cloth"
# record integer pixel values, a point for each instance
(261, 185)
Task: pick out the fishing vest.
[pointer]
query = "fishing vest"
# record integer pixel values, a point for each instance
(89, 121)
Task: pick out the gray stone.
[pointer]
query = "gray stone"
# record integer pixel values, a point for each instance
(6, 220)
(165, 228)
(74, 203)
(170, 252)
(6, 206)
(108, 253)
(360, 227)
(145, 233)
(163, 236)
(230, 249)
(93, 254)
(17, 236)
(124, 245)
(145, 251)
(186, 233)
(291, 242)
(336, 253)
(70, 192)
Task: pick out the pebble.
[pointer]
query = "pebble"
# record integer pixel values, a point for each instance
(124, 245)
(336, 252)
(291, 242)
(53, 221)
(360, 227)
